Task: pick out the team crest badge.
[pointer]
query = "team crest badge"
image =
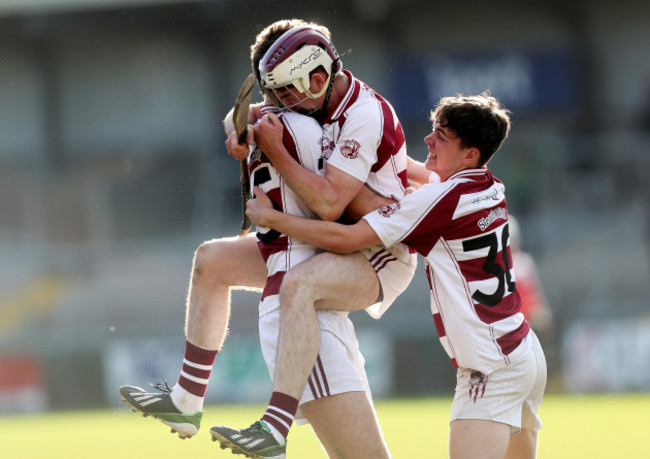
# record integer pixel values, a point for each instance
(326, 146)
(477, 383)
(389, 210)
(350, 149)
(255, 156)
(255, 159)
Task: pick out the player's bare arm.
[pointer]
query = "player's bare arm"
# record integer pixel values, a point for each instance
(326, 196)
(254, 113)
(236, 150)
(417, 172)
(365, 201)
(330, 236)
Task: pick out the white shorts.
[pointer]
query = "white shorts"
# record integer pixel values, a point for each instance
(510, 395)
(395, 268)
(340, 365)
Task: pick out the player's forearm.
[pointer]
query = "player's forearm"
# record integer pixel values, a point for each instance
(329, 236)
(365, 202)
(255, 112)
(416, 171)
(314, 190)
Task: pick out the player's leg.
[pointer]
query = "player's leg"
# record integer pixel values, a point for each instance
(329, 281)
(488, 409)
(523, 445)
(347, 426)
(343, 282)
(218, 266)
(332, 282)
(344, 419)
(336, 400)
(478, 439)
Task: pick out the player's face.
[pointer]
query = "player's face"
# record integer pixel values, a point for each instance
(291, 98)
(445, 157)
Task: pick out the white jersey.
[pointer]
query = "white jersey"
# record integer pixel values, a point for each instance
(363, 137)
(339, 366)
(367, 141)
(460, 226)
(303, 139)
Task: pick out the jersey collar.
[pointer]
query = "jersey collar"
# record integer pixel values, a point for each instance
(348, 98)
(467, 173)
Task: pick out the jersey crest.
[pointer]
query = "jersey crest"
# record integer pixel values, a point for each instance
(327, 146)
(389, 209)
(350, 148)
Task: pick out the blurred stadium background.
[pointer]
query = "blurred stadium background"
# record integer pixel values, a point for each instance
(113, 170)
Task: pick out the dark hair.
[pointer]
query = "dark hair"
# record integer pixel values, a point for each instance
(479, 121)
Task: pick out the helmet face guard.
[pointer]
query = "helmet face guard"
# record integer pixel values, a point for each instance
(288, 64)
(278, 97)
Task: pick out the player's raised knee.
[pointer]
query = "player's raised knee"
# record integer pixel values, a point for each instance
(211, 258)
(295, 284)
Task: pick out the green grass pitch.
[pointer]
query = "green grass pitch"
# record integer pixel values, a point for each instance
(597, 426)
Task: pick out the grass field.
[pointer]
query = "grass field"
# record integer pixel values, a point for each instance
(575, 427)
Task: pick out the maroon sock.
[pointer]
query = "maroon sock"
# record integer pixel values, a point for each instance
(197, 366)
(281, 412)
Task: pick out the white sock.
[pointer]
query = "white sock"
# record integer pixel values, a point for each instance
(276, 434)
(185, 401)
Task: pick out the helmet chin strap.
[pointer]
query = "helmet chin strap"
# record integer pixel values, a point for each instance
(320, 114)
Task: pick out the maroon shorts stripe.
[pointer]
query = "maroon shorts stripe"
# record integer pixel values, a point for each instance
(376, 255)
(318, 380)
(384, 262)
(314, 393)
(273, 283)
(279, 245)
(319, 364)
(317, 383)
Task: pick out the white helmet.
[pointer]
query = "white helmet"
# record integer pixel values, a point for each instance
(292, 58)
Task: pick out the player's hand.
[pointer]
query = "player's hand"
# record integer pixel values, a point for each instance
(412, 188)
(259, 207)
(255, 112)
(238, 150)
(269, 133)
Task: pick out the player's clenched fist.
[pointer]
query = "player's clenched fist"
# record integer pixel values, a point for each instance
(239, 150)
(269, 132)
(256, 207)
